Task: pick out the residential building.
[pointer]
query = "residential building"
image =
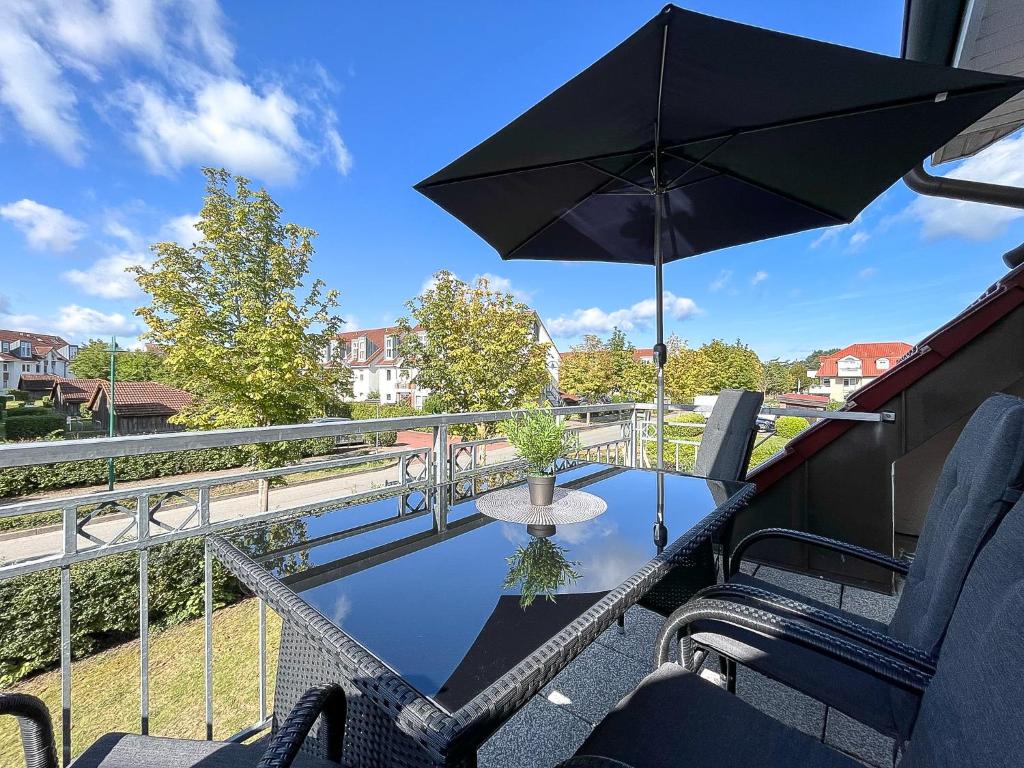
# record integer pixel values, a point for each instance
(804, 400)
(378, 372)
(22, 352)
(849, 369)
(141, 407)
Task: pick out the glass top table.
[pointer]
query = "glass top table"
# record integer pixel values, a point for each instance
(455, 607)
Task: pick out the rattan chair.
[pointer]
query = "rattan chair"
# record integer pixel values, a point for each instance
(124, 750)
(980, 481)
(971, 707)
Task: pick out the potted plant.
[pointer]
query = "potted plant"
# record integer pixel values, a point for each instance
(540, 438)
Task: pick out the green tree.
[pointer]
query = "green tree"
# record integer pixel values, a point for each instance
(777, 377)
(474, 348)
(685, 371)
(638, 382)
(236, 335)
(728, 366)
(93, 362)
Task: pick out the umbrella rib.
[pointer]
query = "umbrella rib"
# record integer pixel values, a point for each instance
(617, 177)
(527, 168)
(547, 225)
(755, 129)
(766, 188)
(836, 114)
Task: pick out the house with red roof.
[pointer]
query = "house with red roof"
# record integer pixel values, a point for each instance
(844, 372)
(141, 407)
(378, 372)
(23, 353)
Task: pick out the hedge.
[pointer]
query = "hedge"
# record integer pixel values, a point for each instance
(789, 427)
(22, 481)
(31, 427)
(29, 410)
(105, 600)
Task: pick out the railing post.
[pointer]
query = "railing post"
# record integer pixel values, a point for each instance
(208, 636)
(441, 477)
(70, 519)
(142, 518)
(263, 659)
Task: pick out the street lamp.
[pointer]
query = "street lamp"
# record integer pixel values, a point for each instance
(112, 350)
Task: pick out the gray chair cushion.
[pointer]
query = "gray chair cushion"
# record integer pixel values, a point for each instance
(728, 439)
(674, 718)
(129, 750)
(970, 497)
(973, 710)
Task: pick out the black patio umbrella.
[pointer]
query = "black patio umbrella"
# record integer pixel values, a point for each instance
(697, 134)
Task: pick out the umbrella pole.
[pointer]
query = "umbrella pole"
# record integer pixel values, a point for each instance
(660, 353)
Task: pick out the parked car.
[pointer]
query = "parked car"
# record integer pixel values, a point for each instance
(766, 423)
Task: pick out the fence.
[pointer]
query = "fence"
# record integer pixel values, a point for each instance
(97, 525)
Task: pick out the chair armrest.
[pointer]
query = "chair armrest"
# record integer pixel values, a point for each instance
(832, 622)
(35, 726)
(709, 613)
(901, 567)
(326, 700)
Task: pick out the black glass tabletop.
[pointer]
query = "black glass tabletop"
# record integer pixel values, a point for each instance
(453, 600)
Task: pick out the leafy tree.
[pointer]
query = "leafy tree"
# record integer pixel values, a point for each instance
(475, 348)
(728, 366)
(777, 378)
(798, 375)
(638, 382)
(226, 310)
(93, 362)
(587, 370)
(813, 360)
(685, 371)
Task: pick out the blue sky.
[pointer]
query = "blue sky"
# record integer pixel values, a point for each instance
(108, 109)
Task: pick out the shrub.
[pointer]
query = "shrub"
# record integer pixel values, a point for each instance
(30, 410)
(432, 404)
(32, 427)
(361, 411)
(21, 481)
(789, 427)
(387, 439)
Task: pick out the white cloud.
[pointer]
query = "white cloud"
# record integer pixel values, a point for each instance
(76, 323)
(32, 89)
(867, 272)
(169, 79)
(225, 123)
(721, 281)
(182, 230)
(350, 323)
(1001, 163)
(108, 277)
(857, 240)
(596, 320)
(44, 227)
(759, 277)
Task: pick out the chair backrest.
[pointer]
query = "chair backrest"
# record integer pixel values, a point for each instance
(972, 495)
(973, 710)
(728, 440)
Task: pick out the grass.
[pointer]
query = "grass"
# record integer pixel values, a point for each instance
(105, 687)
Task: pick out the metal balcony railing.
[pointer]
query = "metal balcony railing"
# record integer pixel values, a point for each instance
(98, 525)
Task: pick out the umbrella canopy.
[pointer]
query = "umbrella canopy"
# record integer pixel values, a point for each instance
(696, 134)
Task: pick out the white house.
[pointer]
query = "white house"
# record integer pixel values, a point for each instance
(843, 372)
(378, 371)
(22, 352)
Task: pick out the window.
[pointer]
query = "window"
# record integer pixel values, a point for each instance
(389, 348)
(850, 382)
(882, 363)
(361, 349)
(388, 397)
(5, 346)
(389, 377)
(826, 382)
(37, 367)
(26, 349)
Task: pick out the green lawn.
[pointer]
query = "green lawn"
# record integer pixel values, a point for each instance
(105, 687)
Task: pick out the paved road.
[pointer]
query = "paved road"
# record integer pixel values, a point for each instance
(33, 543)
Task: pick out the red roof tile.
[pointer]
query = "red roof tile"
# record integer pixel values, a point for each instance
(143, 398)
(35, 338)
(76, 390)
(868, 353)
